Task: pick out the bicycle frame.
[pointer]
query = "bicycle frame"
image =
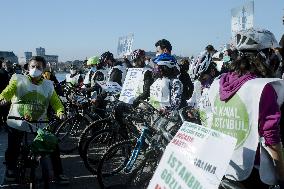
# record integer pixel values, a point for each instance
(136, 150)
(27, 159)
(141, 141)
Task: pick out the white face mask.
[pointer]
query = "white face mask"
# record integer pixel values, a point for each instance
(158, 54)
(72, 71)
(34, 72)
(147, 62)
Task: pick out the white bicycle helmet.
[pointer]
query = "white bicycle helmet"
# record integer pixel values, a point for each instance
(252, 39)
(199, 65)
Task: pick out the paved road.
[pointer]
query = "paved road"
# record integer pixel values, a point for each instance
(73, 167)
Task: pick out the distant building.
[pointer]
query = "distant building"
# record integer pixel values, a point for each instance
(52, 59)
(28, 56)
(40, 51)
(9, 56)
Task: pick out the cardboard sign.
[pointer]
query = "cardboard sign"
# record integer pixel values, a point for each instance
(131, 84)
(174, 172)
(109, 86)
(125, 45)
(198, 148)
(242, 17)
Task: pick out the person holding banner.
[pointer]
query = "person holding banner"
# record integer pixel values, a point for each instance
(138, 81)
(138, 57)
(245, 104)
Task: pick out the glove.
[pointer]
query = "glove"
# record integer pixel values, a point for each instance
(62, 116)
(3, 102)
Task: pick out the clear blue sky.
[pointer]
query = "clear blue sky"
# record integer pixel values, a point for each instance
(75, 29)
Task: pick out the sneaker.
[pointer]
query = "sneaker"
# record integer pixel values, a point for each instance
(62, 179)
(10, 175)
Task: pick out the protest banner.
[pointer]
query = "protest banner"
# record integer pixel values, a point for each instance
(242, 17)
(131, 85)
(203, 151)
(109, 86)
(125, 45)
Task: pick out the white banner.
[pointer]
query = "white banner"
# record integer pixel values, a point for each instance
(131, 84)
(174, 172)
(242, 17)
(197, 148)
(125, 45)
(109, 86)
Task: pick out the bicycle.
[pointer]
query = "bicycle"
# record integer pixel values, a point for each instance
(81, 115)
(32, 154)
(127, 160)
(97, 125)
(99, 136)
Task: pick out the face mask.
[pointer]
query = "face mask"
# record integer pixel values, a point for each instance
(158, 54)
(146, 62)
(33, 72)
(94, 69)
(72, 72)
(226, 58)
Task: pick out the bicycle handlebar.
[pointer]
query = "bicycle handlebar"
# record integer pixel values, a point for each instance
(24, 119)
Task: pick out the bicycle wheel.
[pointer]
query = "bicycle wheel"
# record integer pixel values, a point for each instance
(21, 172)
(69, 132)
(97, 145)
(142, 174)
(90, 131)
(111, 168)
(39, 173)
(112, 172)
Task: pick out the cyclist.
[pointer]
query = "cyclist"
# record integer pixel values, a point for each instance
(92, 64)
(257, 161)
(138, 59)
(166, 91)
(8, 67)
(163, 46)
(186, 82)
(30, 96)
(202, 72)
(4, 78)
(117, 70)
(75, 78)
